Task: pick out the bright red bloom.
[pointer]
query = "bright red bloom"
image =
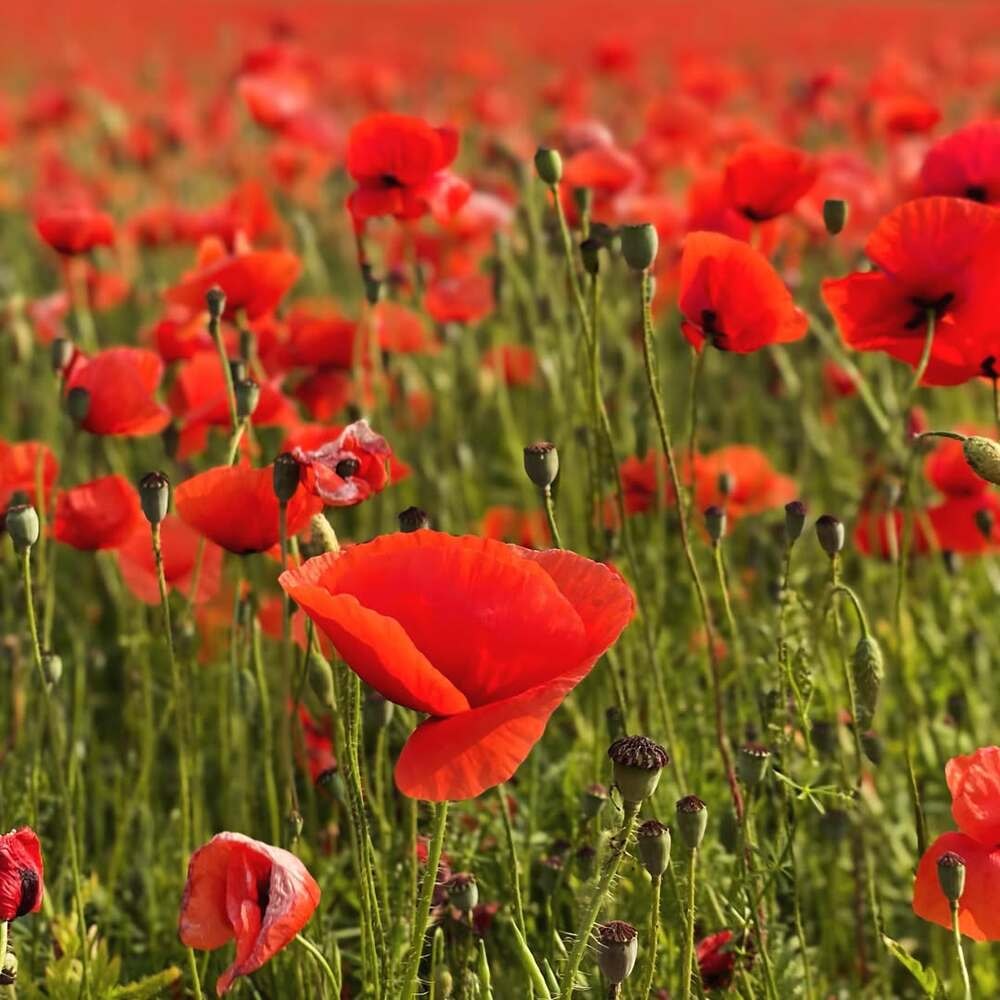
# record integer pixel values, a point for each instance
(731, 297)
(244, 890)
(235, 507)
(21, 465)
(716, 960)
(879, 533)
(462, 299)
(348, 469)
(22, 874)
(77, 230)
(320, 334)
(753, 483)
(486, 638)
(934, 255)
(974, 783)
(121, 382)
(515, 362)
(955, 526)
(101, 514)
(765, 180)
(965, 164)
(181, 545)
(320, 758)
(508, 524)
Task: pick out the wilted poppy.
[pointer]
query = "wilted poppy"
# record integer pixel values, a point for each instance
(965, 164)
(244, 890)
(486, 638)
(731, 297)
(77, 230)
(765, 180)
(22, 874)
(23, 464)
(349, 468)
(101, 514)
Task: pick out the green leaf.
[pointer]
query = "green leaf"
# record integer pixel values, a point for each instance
(926, 977)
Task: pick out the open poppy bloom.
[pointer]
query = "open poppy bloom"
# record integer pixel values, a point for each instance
(464, 298)
(965, 164)
(754, 485)
(72, 231)
(974, 783)
(244, 890)
(22, 874)
(235, 507)
(348, 469)
(22, 465)
(765, 180)
(935, 256)
(486, 638)
(121, 382)
(101, 514)
(732, 297)
(956, 527)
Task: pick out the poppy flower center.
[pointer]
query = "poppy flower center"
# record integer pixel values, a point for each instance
(29, 891)
(989, 367)
(753, 215)
(263, 894)
(938, 306)
(390, 181)
(976, 192)
(347, 467)
(710, 328)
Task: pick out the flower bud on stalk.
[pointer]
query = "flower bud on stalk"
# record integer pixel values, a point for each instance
(751, 764)
(692, 821)
(286, 476)
(617, 948)
(548, 165)
(637, 765)
(715, 523)
(583, 198)
(52, 667)
(868, 670)
(22, 526)
(795, 521)
(237, 369)
(215, 300)
(154, 495)
(541, 463)
(61, 354)
(247, 398)
(653, 844)
(835, 214)
(413, 519)
(830, 533)
(78, 404)
(983, 457)
(463, 892)
(951, 876)
(321, 680)
(639, 246)
(590, 254)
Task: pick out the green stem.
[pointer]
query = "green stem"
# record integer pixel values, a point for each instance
(550, 516)
(966, 985)
(321, 961)
(925, 357)
(687, 964)
(215, 329)
(267, 734)
(653, 939)
(515, 867)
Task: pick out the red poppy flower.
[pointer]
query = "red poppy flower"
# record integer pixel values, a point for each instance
(765, 180)
(76, 230)
(254, 281)
(22, 874)
(974, 783)
(879, 533)
(508, 524)
(348, 469)
(182, 548)
(965, 164)
(320, 334)
(461, 299)
(606, 171)
(715, 959)
(515, 362)
(121, 382)
(325, 393)
(956, 528)
(101, 514)
(731, 297)
(320, 758)
(235, 507)
(643, 478)
(21, 464)
(180, 335)
(276, 96)
(754, 486)
(243, 890)
(486, 638)
(934, 255)
(399, 163)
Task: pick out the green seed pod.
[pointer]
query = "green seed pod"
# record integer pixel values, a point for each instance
(247, 398)
(52, 667)
(413, 519)
(378, 712)
(835, 214)
(78, 404)
(215, 299)
(951, 876)
(548, 165)
(286, 472)
(653, 845)
(692, 821)
(463, 892)
(590, 254)
(639, 246)
(637, 764)
(715, 523)
(868, 670)
(795, 521)
(22, 526)
(617, 949)
(872, 746)
(154, 496)
(321, 680)
(830, 533)
(541, 463)
(751, 764)
(983, 456)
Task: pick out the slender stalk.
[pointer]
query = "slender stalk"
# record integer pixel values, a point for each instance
(966, 985)
(653, 936)
(215, 329)
(687, 963)
(550, 516)
(321, 961)
(267, 734)
(515, 867)
(925, 357)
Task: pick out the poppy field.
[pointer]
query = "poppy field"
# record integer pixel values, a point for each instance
(499, 502)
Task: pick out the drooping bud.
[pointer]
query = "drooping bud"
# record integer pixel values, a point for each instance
(22, 526)
(835, 213)
(639, 246)
(795, 521)
(237, 370)
(247, 398)
(872, 746)
(617, 948)
(463, 892)
(983, 456)
(541, 463)
(653, 844)
(61, 354)
(78, 404)
(171, 438)
(154, 495)
(692, 821)
(548, 165)
(592, 800)
(413, 519)
(830, 533)
(868, 670)
(715, 523)
(285, 475)
(951, 876)
(590, 254)
(52, 667)
(637, 764)
(215, 299)
(751, 764)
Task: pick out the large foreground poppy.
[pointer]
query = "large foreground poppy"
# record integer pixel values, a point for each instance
(965, 164)
(22, 874)
(486, 638)
(101, 514)
(242, 889)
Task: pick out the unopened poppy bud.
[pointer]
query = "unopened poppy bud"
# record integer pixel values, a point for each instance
(215, 299)
(830, 533)
(463, 892)
(237, 370)
(247, 398)
(590, 254)
(692, 821)
(22, 526)
(548, 165)
(985, 522)
(653, 844)
(867, 668)
(154, 495)
(592, 800)
(52, 667)
(835, 213)
(715, 523)
(617, 948)
(795, 521)
(983, 456)
(8, 973)
(373, 285)
(444, 983)
(541, 463)
(78, 404)
(637, 764)
(286, 474)
(583, 198)
(639, 246)
(321, 680)
(413, 519)
(751, 764)
(378, 711)
(295, 823)
(951, 876)
(726, 482)
(61, 354)
(872, 746)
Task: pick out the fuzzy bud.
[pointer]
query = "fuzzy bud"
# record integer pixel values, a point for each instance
(639, 246)
(413, 519)
(583, 198)
(795, 521)
(692, 821)
(154, 495)
(541, 463)
(983, 456)
(653, 845)
(868, 670)
(285, 476)
(247, 398)
(321, 680)
(835, 214)
(548, 165)
(637, 764)
(22, 526)
(951, 876)
(830, 533)
(215, 300)
(78, 404)
(463, 892)
(617, 949)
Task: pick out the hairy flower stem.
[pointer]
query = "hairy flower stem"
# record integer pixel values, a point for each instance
(687, 963)
(550, 516)
(955, 930)
(321, 961)
(267, 733)
(515, 867)
(287, 656)
(755, 899)
(652, 942)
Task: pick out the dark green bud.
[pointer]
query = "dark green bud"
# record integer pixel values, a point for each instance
(639, 246)
(985, 521)
(637, 763)
(215, 299)
(983, 457)
(78, 404)
(154, 495)
(692, 821)
(871, 744)
(868, 670)
(321, 680)
(715, 523)
(22, 526)
(413, 519)
(548, 165)
(247, 398)
(751, 764)
(378, 711)
(541, 463)
(373, 286)
(237, 370)
(583, 198)
(285, 476)
(795, 521)
(830, 533)
(653, 844)
(835, 213)
(617, 949)
(951, 876)
(590, 254)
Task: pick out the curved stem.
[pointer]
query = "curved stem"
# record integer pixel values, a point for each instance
(925, 357)
(215, 329)
(515, 867)
(967, 986)
(321, 961)
(653, 934)
(550, 516)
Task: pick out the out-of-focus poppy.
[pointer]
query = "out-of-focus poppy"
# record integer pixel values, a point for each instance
(72, 231)
(325, 393)
(348, 469)
(754, 486)
(244, 890)
(965, 164)
(515, 363)
(22, 874)
(23, 464)
(731, 297)
(716, 960)
(486, 638)
(508, 524)
(101, 514)
(235, 507)
(765, 180)
(320, 759)
(879, 533)
(956, 527)
(463, 298)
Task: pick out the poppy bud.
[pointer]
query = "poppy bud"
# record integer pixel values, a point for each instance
(463, 892)
(639, 246)
(617, 948)
(983, 456)
(692, 821)
(795, 521)
(985, 521)
(22, 526)
(592, 800)
(550, 869)
(726, 482)
(590, 254)
(413, 519)
(78, 404)
(52, 667)
(8, 974)
(637, 762)
(541, 463)
(286, 473)
(835, 213)
(751, 764)
(294, 822)
(247, 398)
(653, 844)
(583, 198)
(715, 523)
(215, 299)
(824, 736)
(237, 369)
(154, 495)
(866, 665)
(62, 354)
(378, 711)
(321, 680)
(951, 876)
(548, 165)
(830, 532)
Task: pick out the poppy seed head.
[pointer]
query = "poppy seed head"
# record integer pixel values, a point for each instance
(690, 804)
(347, 467)
(616, 932)
(640, 752)
(650, 829)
